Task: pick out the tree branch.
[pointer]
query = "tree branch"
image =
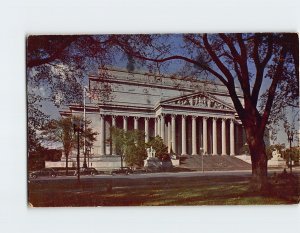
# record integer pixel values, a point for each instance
(230, 86)
(243, 65)
(272, 90)
(217, 61)
(40, 61)
(260, 66)
(175, 57)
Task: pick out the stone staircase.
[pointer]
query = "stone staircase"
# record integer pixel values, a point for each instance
(213, 163)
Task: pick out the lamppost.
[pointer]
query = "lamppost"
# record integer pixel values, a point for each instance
(77, 126)
(290, 135)
(84, 127)
(88, 151)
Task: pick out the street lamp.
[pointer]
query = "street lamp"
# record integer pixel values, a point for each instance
(85, 88)
(77, 126)
(290, 135)
(88, 151)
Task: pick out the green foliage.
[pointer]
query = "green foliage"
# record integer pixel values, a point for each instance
(36, 160)
(36, 119)
(292, 153)
(130, 145)
(159, 146)
(62, 131)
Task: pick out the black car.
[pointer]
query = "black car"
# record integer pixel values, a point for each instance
(122, 170)
(43, 172)
(87, 171)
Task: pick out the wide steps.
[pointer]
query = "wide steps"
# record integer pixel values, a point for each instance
(213, 163)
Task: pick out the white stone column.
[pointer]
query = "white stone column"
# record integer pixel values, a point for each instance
(162, 127)
(102, 135)
(136, 123)
(146, 129)
(232, 137)
(224, 136)
(169, 137)
(204, 133)
(183, 135)
(214, 132)
(113, 123)
(125, 123)
(158, 126)
(194, 141)
(173, 133)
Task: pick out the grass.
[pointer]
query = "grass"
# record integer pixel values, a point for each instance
(228, 190)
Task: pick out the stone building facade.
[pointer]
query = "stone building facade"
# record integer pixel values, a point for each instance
(186, 114)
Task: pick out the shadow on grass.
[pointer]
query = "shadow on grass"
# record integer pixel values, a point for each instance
(160, 191)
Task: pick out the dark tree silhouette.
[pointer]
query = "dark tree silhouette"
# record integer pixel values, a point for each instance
(264, 65)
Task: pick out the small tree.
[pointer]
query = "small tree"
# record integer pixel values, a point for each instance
(130, 145)
(62, 131)
(291, 154)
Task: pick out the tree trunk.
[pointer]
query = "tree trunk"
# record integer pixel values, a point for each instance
(259, 166)
(259, 160)
(67, 160)
(121, 160)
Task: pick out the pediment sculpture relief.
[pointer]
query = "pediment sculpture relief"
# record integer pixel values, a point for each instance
(200, 101)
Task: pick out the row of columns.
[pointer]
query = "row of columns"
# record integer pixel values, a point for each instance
(159, 129)
(172, 142)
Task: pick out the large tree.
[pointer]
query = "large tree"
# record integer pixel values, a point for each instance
(263, 65)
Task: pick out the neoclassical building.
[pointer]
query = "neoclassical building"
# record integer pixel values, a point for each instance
(186, 114)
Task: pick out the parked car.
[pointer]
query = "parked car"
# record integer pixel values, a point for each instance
(122, 170)
(87, 171)
(43, 172)
(139, 170)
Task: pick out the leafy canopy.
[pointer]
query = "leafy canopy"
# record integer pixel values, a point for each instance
(130, 145)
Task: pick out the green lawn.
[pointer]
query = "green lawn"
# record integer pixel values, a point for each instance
(226, 190)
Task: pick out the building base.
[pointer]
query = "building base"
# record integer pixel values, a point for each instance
(100, 163)
(276, 163)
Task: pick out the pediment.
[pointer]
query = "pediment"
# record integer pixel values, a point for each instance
(198, 100)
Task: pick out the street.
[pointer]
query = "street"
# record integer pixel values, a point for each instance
(244, 173)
